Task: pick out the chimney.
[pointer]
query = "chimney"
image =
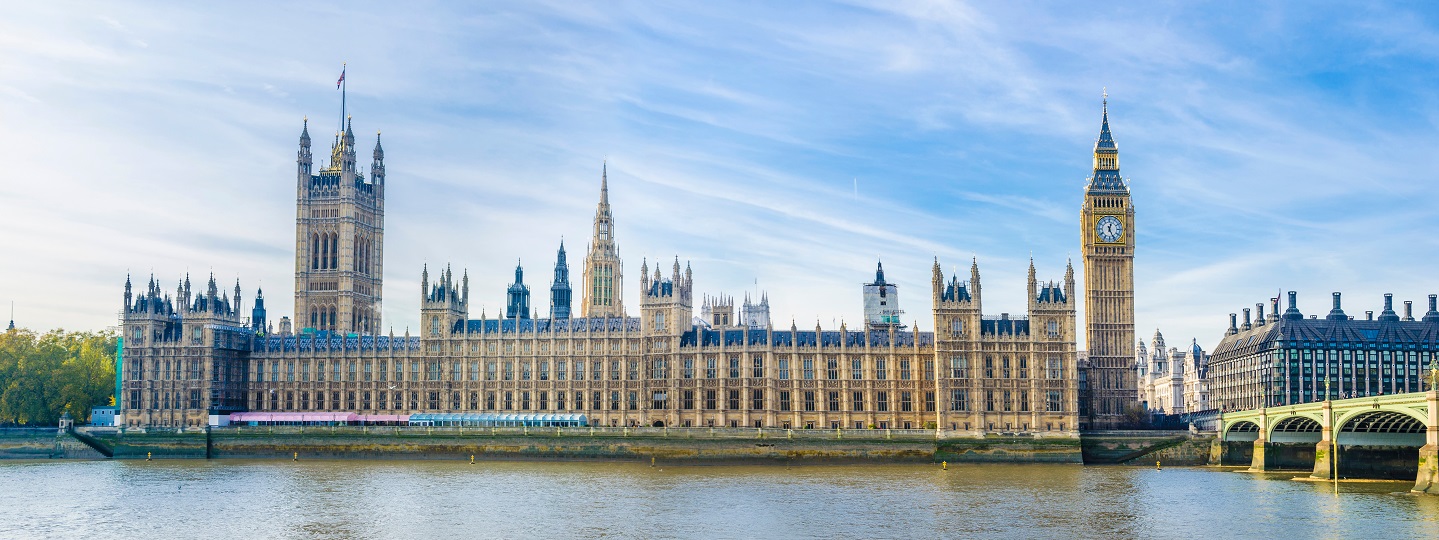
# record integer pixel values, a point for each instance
(1336, 314)
(1246, 326)
(1274, 313)
(1388, 313)
(1433, 314)
(1368, 315)
(1409, 310)
(1259, 314)
(1233, 329)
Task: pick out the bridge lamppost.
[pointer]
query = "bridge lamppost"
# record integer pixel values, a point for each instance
(1333, 435)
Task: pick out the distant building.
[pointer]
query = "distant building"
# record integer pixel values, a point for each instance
(718, 311)
(881, 302)
(755, 315)
(1287, 359)
(103, 416)
(1172, 380)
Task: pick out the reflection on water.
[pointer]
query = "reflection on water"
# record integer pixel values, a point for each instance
(421, 499)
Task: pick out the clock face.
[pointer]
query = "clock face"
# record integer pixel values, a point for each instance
(1109, 229)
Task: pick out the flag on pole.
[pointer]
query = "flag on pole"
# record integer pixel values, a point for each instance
(342, 79)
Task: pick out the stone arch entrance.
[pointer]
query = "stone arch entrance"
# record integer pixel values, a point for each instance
(1242, 431)
(1292, 443)
(658, 423)
(1297, 427)
(1379, 444)
(1237, 443)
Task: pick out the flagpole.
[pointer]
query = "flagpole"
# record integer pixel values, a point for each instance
(343, 86)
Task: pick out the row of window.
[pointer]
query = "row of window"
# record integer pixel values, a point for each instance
(808, 369)
(1006, 401)
(807, 401)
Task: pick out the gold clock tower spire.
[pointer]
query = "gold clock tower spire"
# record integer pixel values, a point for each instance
(1107, 233)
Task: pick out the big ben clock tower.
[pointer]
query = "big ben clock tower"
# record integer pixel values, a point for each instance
(1107, 229)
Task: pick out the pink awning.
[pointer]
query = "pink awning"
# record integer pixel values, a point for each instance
(293, 417)
(373, 418)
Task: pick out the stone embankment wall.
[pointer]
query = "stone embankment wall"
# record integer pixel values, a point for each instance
(578, 443)
(694, 445)
(1146, 447)
(42, 443)
(27, 443)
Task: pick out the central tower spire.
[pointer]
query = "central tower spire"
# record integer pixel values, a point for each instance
(603, 279)
(1106, 157)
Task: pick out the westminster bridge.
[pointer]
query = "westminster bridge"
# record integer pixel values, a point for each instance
(1394, 436)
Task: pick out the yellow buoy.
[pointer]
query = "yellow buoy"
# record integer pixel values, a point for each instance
(1157, 467)
(944, 465)
(295, 457)
(147, 455)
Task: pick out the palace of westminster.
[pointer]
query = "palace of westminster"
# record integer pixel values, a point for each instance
(192, 354)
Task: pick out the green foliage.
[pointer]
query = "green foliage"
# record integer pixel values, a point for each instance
(45, 375)
(1136, 417)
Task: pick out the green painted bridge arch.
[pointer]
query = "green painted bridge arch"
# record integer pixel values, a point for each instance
(1371, 437)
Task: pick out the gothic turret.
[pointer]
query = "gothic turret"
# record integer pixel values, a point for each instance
(443, 305)
(304, 161)
(560, 288)
(518, 296)
(666, 304)
(257, 314)
(377, 167)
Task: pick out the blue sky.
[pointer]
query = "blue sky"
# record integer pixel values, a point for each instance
(776, 146)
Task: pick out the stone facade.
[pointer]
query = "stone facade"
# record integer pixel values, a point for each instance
(976, 375)
(1286, 359)
(1172, 380)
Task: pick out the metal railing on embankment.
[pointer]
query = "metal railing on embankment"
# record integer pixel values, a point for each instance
(598, 432)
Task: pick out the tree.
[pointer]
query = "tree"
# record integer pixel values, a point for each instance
(44, 376)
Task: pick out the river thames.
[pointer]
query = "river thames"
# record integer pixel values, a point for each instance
(430, 499)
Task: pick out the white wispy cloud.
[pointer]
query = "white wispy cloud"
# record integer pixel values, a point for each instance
(1289, 151)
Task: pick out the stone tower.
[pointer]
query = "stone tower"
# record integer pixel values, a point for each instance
(560, 293)
(666, 304)
(604, 272)
(881, 302)
(443, 304)
(1107, 232)
(339, 239)
(517, 296)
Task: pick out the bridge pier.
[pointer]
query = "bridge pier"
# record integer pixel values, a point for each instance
(1260, 461)
(1326, 453)
(1428, 477)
